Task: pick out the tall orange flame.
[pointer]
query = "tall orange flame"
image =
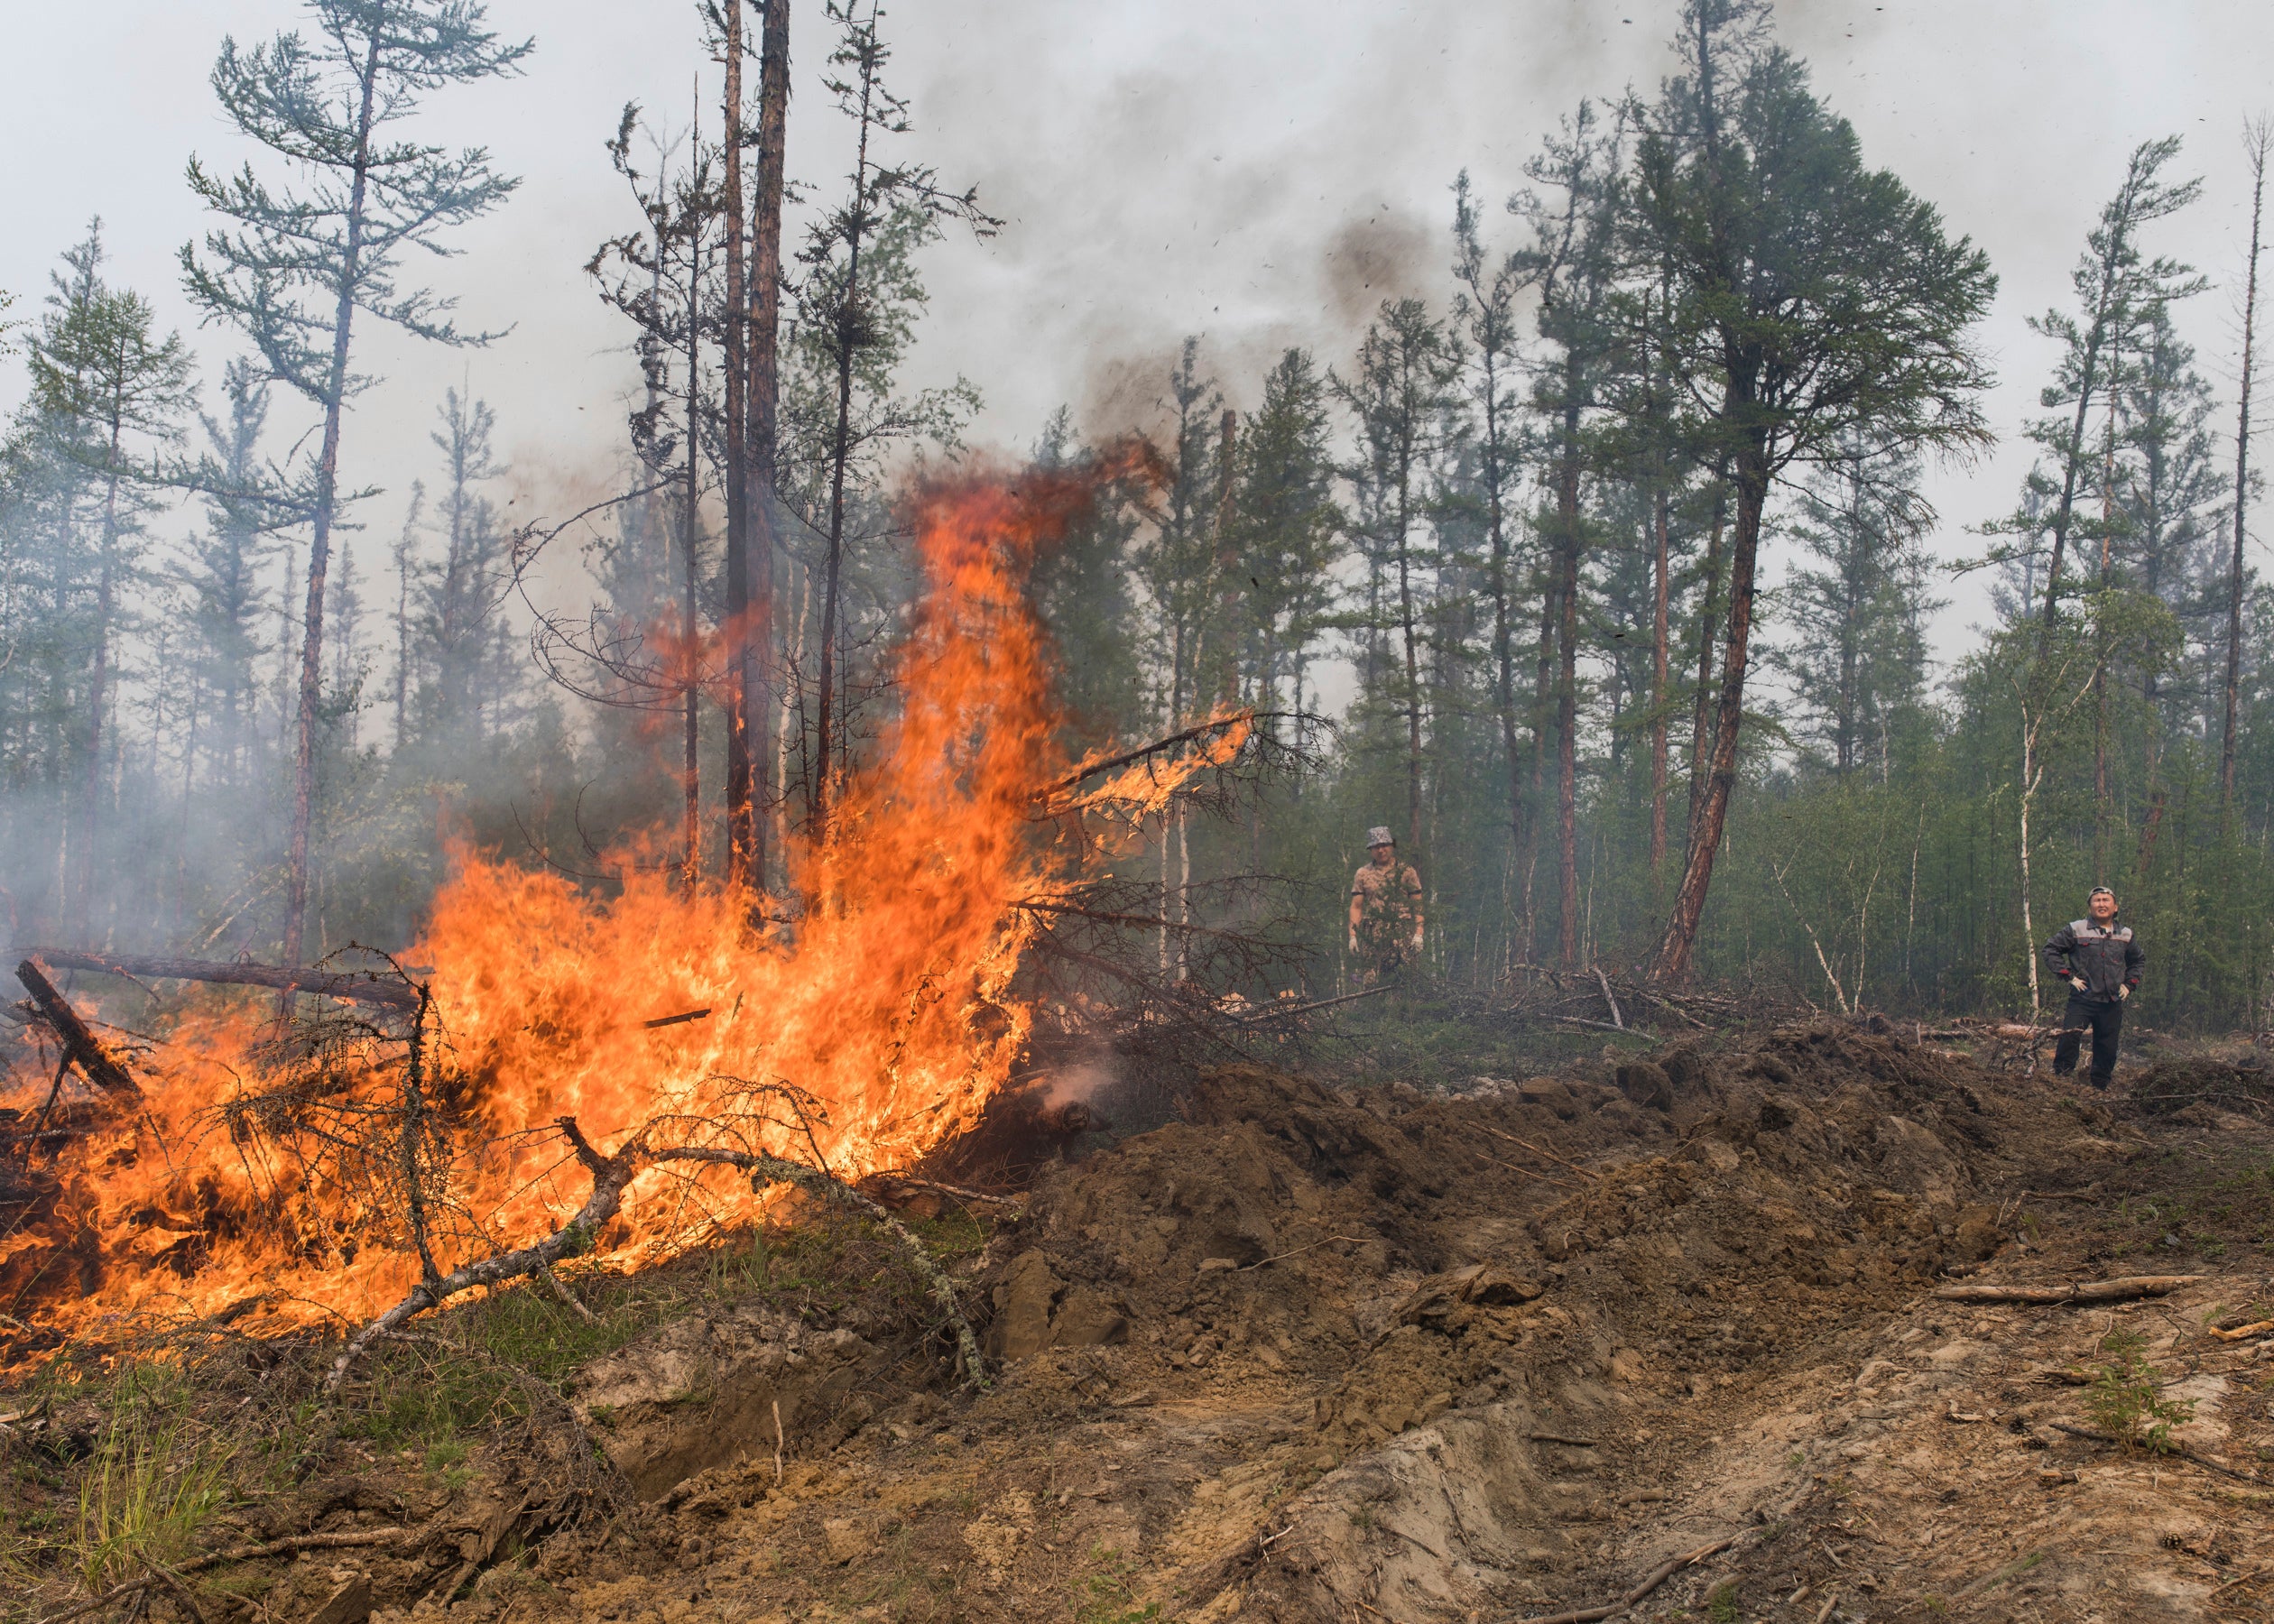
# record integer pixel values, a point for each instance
(887, 999)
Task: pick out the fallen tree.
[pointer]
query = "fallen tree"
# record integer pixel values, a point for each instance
(372, 987)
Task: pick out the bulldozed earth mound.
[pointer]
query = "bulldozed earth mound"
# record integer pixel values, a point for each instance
(1352, 1353)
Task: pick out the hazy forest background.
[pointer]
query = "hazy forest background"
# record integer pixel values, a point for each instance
(1492, 575)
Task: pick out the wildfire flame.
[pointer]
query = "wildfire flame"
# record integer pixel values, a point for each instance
(886, 1003)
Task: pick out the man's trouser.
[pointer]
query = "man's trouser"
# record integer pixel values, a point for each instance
(2106, 1019)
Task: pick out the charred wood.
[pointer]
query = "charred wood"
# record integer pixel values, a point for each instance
(92, 1059)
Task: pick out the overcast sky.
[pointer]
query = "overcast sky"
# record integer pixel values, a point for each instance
(1261, 172)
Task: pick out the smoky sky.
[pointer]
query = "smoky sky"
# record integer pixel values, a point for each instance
(1261, 174)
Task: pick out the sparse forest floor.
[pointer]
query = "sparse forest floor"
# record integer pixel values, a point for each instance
(1332, 1347)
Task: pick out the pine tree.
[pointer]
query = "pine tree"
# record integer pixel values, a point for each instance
(859, 297)
(292, 267)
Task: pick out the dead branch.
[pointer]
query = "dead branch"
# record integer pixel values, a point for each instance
(610, 1174)
(2085, 1291)
(1214, 725)
(1323, 1003)
(2177, 1451)
(1657, 1576)
(93, 1058)
(1618, 1018)
(346, 1540)
(362, 987)
(775, 1168)
(2242, 1332)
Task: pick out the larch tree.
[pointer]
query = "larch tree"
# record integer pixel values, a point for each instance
(894, 209)
(2115, 288)
(2258, 140)
(297, 260)
(111, 390)
(1486, 314)
(1401, 393)
(1813, 298)
(1572, 259)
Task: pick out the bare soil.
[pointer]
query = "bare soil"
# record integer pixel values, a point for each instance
(1370, 1352)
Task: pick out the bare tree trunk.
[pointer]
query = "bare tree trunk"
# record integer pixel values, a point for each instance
(1412, 678)
(1568, 692)
(1708, 609)
(1679, 945)
(848, 323)
(98, 690)
(735, 475)
(753, 647)
(311, 672)
(1659, 675)
(2257, 137)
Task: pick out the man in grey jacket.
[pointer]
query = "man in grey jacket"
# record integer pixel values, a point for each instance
(2101, 962)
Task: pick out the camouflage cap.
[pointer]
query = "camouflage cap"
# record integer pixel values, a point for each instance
(1379, 836)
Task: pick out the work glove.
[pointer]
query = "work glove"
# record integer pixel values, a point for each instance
(1353, 941)
(2077, 982)
(1416, 940)
(2123, 993)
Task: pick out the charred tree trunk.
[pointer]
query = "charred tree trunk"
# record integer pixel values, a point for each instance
(754, 648)
(735, 364)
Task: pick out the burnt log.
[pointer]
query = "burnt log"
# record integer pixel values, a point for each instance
(363, 987)
(79, 1041)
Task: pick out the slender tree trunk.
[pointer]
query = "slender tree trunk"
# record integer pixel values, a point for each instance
(1412, 674)
(2259, 139)
(735, 475)
(311, 672)
(848, 323)
(1567, 691)
(98, 689)
(754, 648)
(1660, 675)
(690, 742)
(1677, 946)
(1708, 611)
(1504, 649)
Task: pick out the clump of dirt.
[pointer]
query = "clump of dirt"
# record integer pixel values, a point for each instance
(2206, 1085)
(1324, 1353)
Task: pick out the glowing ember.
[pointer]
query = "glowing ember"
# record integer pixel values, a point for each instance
(887, 1002)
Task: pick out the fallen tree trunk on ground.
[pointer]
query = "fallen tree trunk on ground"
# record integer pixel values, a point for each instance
(2082, 1291)
(363, 988)
(78, 1039)
(610, 1174)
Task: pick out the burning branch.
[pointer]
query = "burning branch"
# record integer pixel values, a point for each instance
(610, 1174)
(79, 1042)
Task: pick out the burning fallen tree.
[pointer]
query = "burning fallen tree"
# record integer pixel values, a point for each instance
(616, 1077)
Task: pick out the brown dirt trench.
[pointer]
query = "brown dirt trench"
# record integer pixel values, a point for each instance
(1373, 1354)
